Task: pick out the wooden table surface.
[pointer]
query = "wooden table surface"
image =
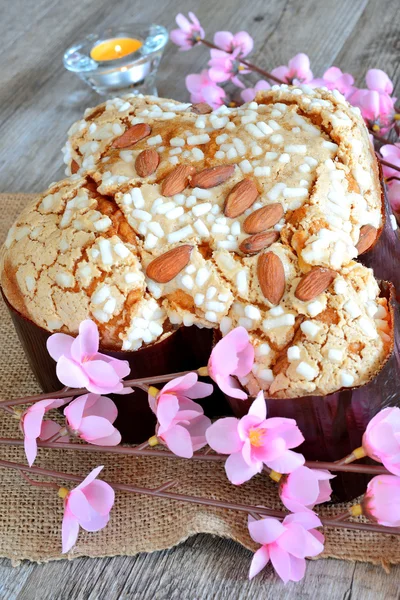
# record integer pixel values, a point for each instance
(38, 101)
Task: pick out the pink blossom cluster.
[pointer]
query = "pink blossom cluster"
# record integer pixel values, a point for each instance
(375, 101)
(253, 444)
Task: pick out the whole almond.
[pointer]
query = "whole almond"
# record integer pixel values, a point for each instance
(176, 181)
(271, 277)
(256, 243)
(167, 266)
(313, 283)
(132, 135)
(74, 166)
(147, 162)
(240, 198)
(263, 218)
(201, 108)
(209, 178)
(367, 237)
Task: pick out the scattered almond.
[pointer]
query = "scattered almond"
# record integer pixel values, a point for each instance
(147, 162)
(263, 218)
(74, 167)
(132, 135)
(167, 266)
(240, 198)
(271, 277)
(177, 180)
(367, 237)
(209, 178)
(314, 283)
(201, 108)
(256, 243)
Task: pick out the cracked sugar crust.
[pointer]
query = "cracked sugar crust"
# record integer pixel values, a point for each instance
(83, 249)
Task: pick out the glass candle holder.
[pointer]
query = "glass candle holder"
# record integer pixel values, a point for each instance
(112, 63)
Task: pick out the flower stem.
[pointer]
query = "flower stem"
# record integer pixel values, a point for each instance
(355, 455)
(202, 456)
(249, 65)
(161, 492)
(71, 392)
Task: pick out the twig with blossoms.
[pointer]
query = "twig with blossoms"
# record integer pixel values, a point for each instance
(228, 52)
(255, 443)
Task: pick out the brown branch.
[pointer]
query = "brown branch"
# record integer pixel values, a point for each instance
(71, 392)
(143, 451)
(161, 493)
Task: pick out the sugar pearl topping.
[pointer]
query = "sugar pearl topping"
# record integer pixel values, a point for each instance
(178, 215)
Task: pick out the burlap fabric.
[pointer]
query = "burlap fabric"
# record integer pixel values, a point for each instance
(30, 517)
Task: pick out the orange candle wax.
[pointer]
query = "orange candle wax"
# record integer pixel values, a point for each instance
(114, 48)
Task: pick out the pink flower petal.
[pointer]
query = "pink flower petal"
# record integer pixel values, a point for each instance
(59, 344)
(230, 387)
(71, 374)
(266, 530)
(260, 559)
(224, 358)
(297, 568)
(69, 531)
(281, 561)
(178, 440)
(30, 446)
(167, 409)
(112, 440)
(259, 407)
(32, 421)
(244, 41)
(100, 496)
(238, 471)
(89, 478)
(282, 73)
(224, 40)
(101, 375)
(308, 520)
(95, 523)
(288, 462)
(78, 505)
(48, 430)
(378, 80)
(86, 344)
(121, 367)
(101, 406)
(197, 429)
(92, 428)
(223, 436)
(74, 411)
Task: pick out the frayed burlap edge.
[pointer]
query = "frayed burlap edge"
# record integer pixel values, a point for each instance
(30, 517)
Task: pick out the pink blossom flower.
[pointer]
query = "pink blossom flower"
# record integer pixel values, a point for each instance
(381, 440)
(88, 505)
(91, 418)
(297, 71)
(229, 42)
(226, 67)
(79, 364)
(391, 153)
(189, 33)
(381, 502)
(394, 195)
(232, 356)
(335, 79)
(203, 89)
(181, 422)
(286, 544)
(34, 428)
(375, 103)
(254, 440)
(250, 93)
(304, 488)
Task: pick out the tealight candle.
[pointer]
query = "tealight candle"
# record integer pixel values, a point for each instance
(114, 48)
(120, 60)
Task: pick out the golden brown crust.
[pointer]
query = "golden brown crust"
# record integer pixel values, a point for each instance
(82, 250)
